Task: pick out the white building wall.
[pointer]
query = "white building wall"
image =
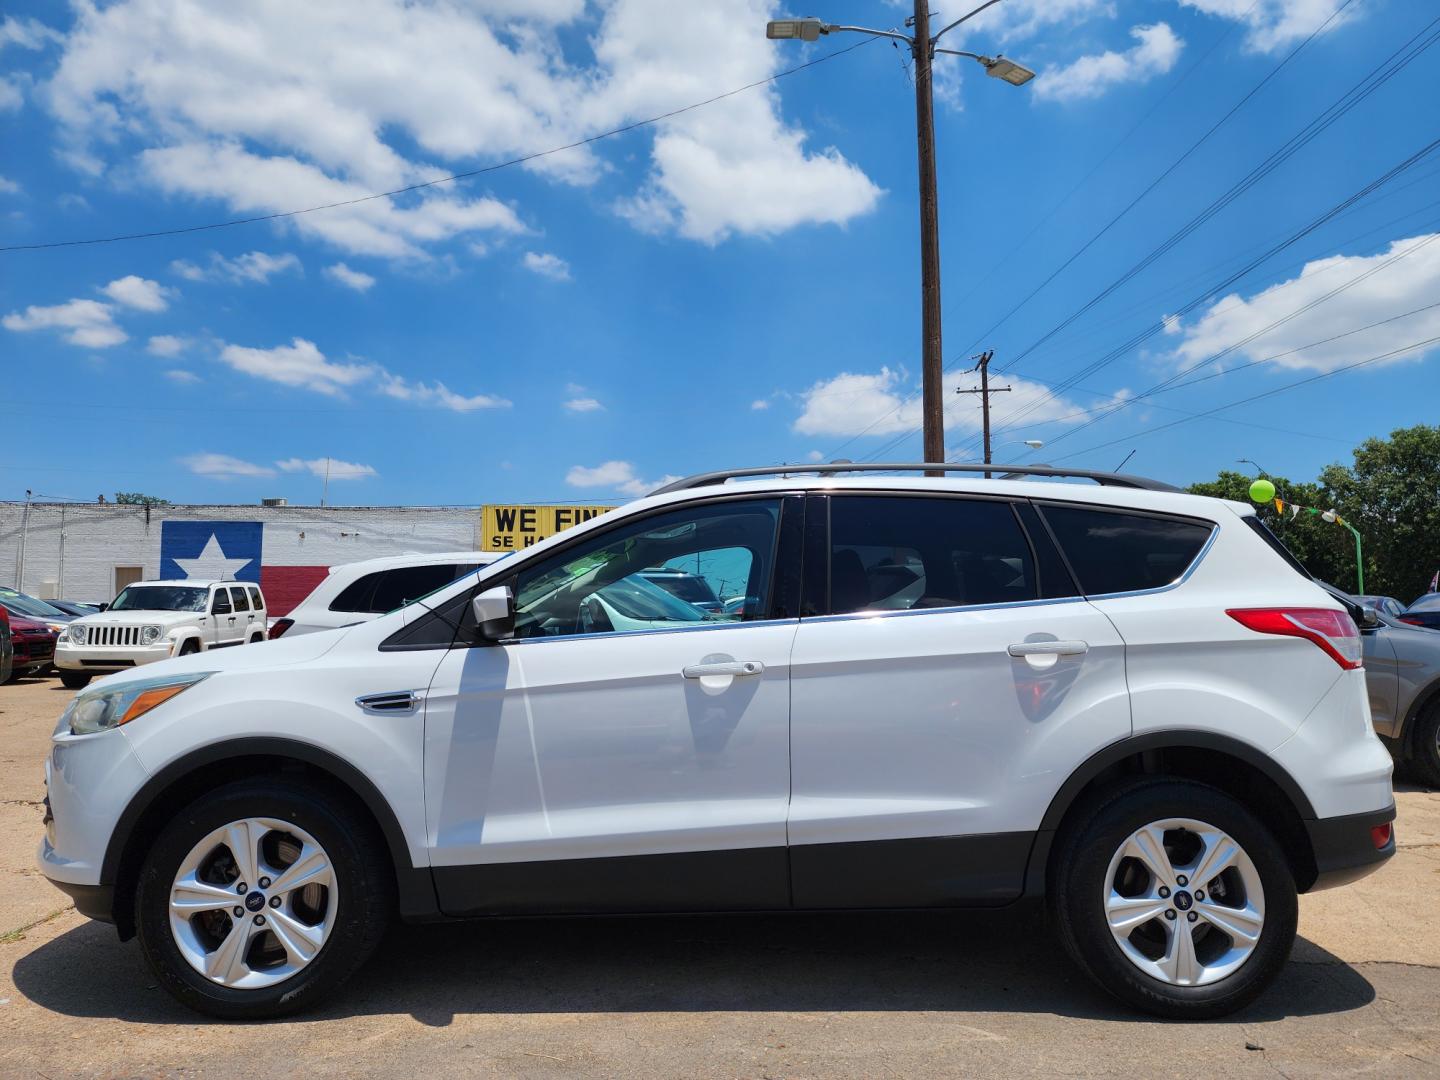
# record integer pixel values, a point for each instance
(75, 547)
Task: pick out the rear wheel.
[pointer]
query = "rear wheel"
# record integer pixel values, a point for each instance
(1174, 898)
(260, 899)
(75, 680)
(1424, 746)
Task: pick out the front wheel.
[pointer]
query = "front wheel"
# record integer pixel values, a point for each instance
(1174, 898)
(74, 680)
(1424, 746)
(260, 899)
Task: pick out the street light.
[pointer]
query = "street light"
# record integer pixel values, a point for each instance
(923, 49)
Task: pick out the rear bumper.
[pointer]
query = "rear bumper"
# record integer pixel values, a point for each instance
(1345, 847)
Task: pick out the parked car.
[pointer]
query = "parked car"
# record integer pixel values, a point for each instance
(7, 650)
(70, 607)
(1386, 605)
(155, 620)
(692, 588)
(1423, 612)
(361, 591)
(1402, 673)
(1124, 699)
(33, 646)
(29, 607)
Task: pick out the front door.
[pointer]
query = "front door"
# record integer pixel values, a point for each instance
(626, 749)
(948, 682)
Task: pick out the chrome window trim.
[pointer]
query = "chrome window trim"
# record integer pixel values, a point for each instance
(507, 642)
(881, 613)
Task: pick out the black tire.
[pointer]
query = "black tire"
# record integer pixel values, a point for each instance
(190, 648)
(1423, 746)
(1077, 890)
(363, 876)
(75, 680)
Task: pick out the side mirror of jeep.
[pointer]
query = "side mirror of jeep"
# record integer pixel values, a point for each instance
(494, 613)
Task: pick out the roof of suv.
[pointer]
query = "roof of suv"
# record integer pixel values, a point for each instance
(195, 582)
(427, 558)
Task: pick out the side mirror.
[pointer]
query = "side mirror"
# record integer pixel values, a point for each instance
(1369, 619)
(495, 613)
(103, 607)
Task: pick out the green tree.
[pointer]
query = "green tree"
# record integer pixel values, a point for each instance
(1325, 549)
(135, 498)
(1392, 495)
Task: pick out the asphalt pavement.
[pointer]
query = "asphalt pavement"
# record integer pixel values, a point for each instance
(843, 995)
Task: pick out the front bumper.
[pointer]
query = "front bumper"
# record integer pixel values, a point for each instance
(1345, 848)
(102, 658)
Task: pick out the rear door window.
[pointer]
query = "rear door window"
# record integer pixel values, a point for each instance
(1114, 551)
(400, 586)
(900, 553)
(239, 599)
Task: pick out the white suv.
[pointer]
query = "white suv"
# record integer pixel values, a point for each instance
(155, 620)
(361, 591)
(947, 692)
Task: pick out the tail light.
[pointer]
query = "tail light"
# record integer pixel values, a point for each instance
(1409, 619)
(1333, 631)
(1380, 836)
(281, 625)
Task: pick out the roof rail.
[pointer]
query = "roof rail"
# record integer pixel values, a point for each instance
(1010, 471)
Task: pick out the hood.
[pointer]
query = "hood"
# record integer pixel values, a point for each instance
(23, 624)
(139, 616)
(263, 655)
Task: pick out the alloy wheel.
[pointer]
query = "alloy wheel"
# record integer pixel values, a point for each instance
(1184, 902)
(253, 903)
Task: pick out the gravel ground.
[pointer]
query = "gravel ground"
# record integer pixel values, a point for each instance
(919, 995)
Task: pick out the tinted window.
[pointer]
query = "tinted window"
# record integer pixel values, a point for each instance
(220, 605)
(256, 600)
(356, 595)
(600, 586)
(239, 599)
(1117, 552)
(398, 587)
(1429, 602)
(161, 598)
(899, 553)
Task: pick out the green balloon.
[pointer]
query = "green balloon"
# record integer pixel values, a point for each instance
(1262, 491)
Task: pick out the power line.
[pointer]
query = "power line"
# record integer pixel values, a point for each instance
(444, 179)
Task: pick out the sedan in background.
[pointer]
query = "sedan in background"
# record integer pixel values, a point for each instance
(34, 646)
(28, 607)
(70, 607)
(1423, 612)
(6, 649)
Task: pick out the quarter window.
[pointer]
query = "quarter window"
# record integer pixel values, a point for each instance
(899, 553)
(725, 553)
(1114, 552)
(239, 599)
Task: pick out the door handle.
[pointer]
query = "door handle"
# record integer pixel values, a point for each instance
(732, 667)
(1049, 648)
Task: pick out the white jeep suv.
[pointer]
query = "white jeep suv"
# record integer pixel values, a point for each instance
(947, 692)
(155, 620)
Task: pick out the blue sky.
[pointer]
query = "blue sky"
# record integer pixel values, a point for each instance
(733, 286)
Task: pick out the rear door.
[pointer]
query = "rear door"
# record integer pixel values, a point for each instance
(946, 679)
(244, 617)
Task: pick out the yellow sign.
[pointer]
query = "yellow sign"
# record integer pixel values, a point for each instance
(512, 528)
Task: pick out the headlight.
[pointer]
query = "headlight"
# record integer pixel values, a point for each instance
(101, 709)
(77, 634)
(149, 635)
(58, 627)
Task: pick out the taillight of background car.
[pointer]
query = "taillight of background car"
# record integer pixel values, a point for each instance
(280, 626)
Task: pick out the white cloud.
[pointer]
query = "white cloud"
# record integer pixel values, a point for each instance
(12, 97)
(1155, 51)
(88, 323)
(1407, 284)
(166, 345)
(619, 475)
(255, 267)
(29, 34)
(139, 293)
(760, 404)
(241, 112)
(887, 403)
(583, 405)
(438, 394)
(8, 186)
(351, 279)
(334, 468)
(547, 265)
(224, 467)
(1274, 24)
(181, 376)
(815, 455)
(298, 364)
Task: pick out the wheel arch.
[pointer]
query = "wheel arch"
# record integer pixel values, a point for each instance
(1234, 767)
(1427, 698)
(186, 778)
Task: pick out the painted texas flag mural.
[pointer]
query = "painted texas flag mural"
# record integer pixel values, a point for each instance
(233, 551)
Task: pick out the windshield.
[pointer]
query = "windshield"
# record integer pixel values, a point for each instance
(161, 598)
(20, 604)
(1430, 602)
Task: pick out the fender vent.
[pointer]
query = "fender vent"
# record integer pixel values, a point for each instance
(394, 701)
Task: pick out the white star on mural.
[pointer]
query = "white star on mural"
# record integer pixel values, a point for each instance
(212, 565)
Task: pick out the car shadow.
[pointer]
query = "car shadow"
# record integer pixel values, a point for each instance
(996, 961)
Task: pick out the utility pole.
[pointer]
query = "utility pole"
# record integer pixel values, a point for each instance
(932, 408)
(325, 488)
(923, 48)
(985, 390)
(20, 559)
